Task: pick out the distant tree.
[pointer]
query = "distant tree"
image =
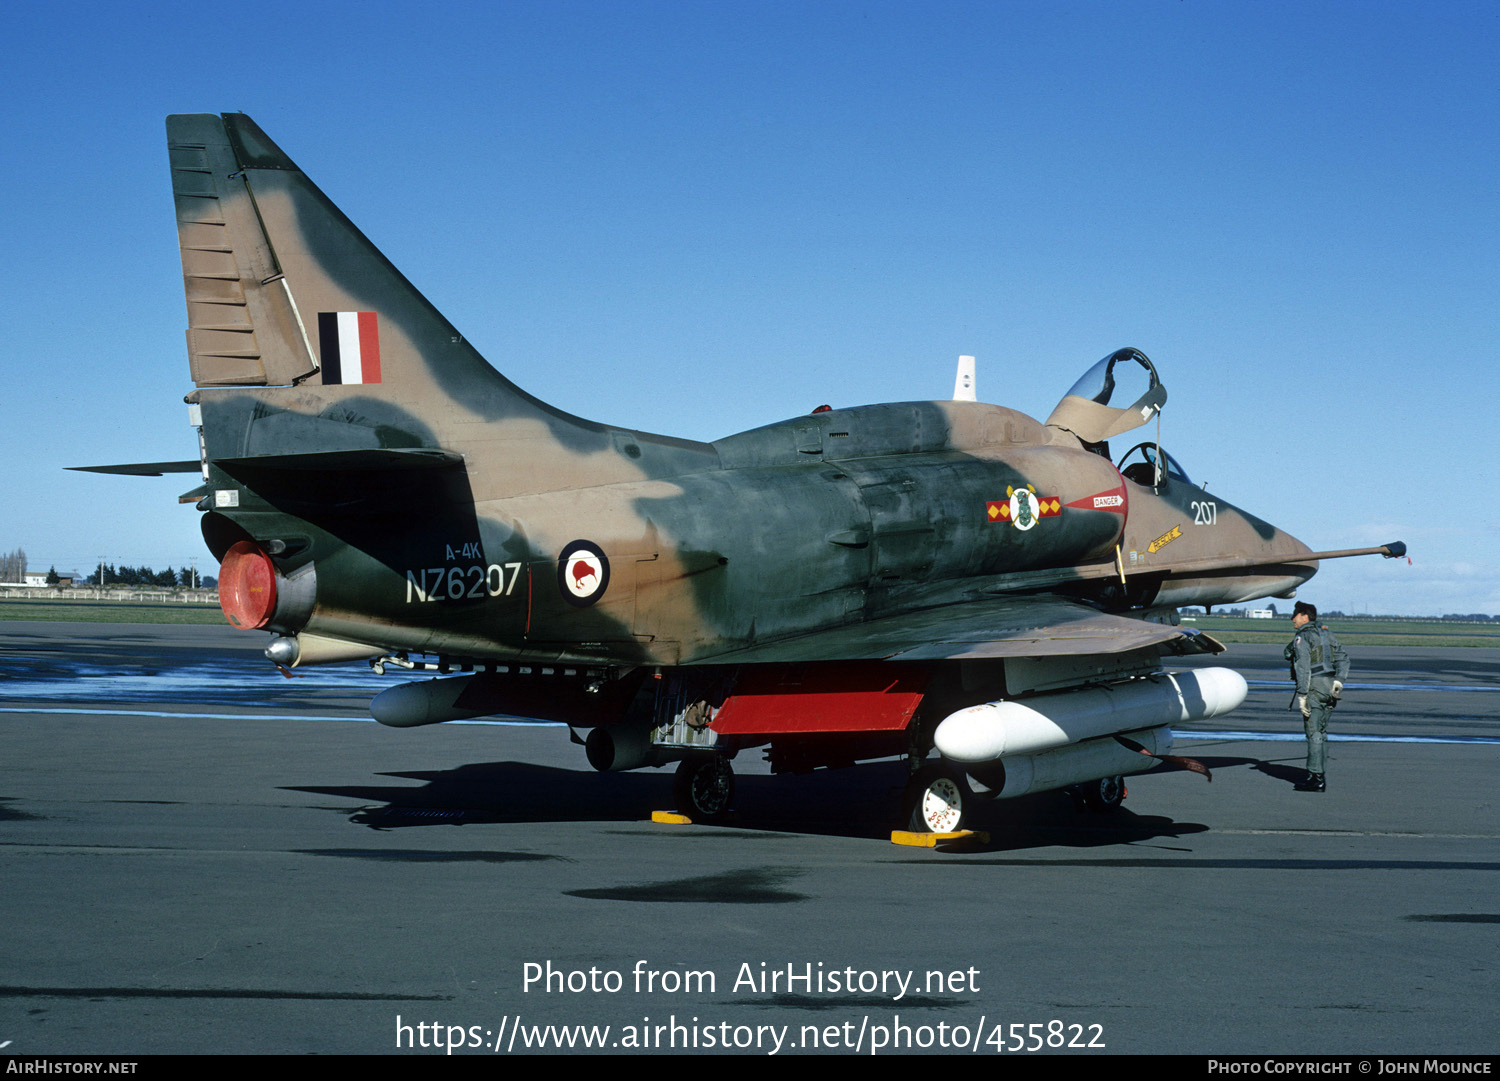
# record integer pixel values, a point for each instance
(208, 581)
(13, 566)
(1271, 608)
(52, 578)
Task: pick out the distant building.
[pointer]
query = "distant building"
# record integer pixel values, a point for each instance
(1261, 613)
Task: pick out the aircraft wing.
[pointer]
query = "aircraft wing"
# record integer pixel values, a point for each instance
(1019, 625)
(1010, 626)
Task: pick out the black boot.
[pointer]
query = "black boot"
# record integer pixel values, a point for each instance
(1314, 783)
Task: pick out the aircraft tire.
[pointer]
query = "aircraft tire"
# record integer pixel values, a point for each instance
(1104, 795)
(935, 800)
(704, 788)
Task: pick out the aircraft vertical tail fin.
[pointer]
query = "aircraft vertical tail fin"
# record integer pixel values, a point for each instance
(283, 289)
(305, 340)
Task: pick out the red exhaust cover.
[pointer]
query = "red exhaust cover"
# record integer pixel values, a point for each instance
(247, 586)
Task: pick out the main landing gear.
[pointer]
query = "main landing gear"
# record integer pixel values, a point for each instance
(935, 798)
(1104, 795)
(704, 788)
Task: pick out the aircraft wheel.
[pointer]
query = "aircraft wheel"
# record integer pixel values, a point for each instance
(935, 798)
(704, 788)
(1105, 794)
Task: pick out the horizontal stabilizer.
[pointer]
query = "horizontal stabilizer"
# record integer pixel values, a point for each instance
(334, 483)
(141, 469)
(387, 460)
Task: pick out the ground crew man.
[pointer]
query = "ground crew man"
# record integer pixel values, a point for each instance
(1319, 668)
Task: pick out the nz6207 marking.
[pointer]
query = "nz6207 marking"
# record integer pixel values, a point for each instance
(461, 583)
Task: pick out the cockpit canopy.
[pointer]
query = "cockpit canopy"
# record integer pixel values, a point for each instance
(1147, 464)
(1085, 410)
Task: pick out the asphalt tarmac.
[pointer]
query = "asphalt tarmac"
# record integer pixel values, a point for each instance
(202, 856)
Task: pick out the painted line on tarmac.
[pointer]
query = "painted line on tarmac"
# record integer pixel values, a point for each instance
(1298, 737)
(1358, 833)
(75, 712)
(1433, 685)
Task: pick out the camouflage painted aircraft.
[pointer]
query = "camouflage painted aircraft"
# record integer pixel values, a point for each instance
(889, 580)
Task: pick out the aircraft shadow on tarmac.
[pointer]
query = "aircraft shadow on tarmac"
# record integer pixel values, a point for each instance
(860, 801)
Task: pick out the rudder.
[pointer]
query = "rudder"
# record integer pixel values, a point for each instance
(243, 326)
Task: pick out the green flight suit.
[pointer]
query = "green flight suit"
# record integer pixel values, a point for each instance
(1318, 661)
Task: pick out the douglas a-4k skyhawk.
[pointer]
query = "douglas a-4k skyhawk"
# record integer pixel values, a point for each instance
(991, 597)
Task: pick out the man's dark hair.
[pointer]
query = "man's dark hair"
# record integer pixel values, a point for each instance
(1302, 608)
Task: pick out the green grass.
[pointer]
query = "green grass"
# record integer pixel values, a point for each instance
(89, 611)
(1362, 631)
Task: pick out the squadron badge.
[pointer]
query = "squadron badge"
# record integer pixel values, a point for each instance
(1023, 507)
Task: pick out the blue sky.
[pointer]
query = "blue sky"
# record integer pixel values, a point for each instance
(695, 218)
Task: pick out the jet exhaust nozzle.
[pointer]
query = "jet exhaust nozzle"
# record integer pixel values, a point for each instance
(247, 586)
(255, 595)
(994, 730)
